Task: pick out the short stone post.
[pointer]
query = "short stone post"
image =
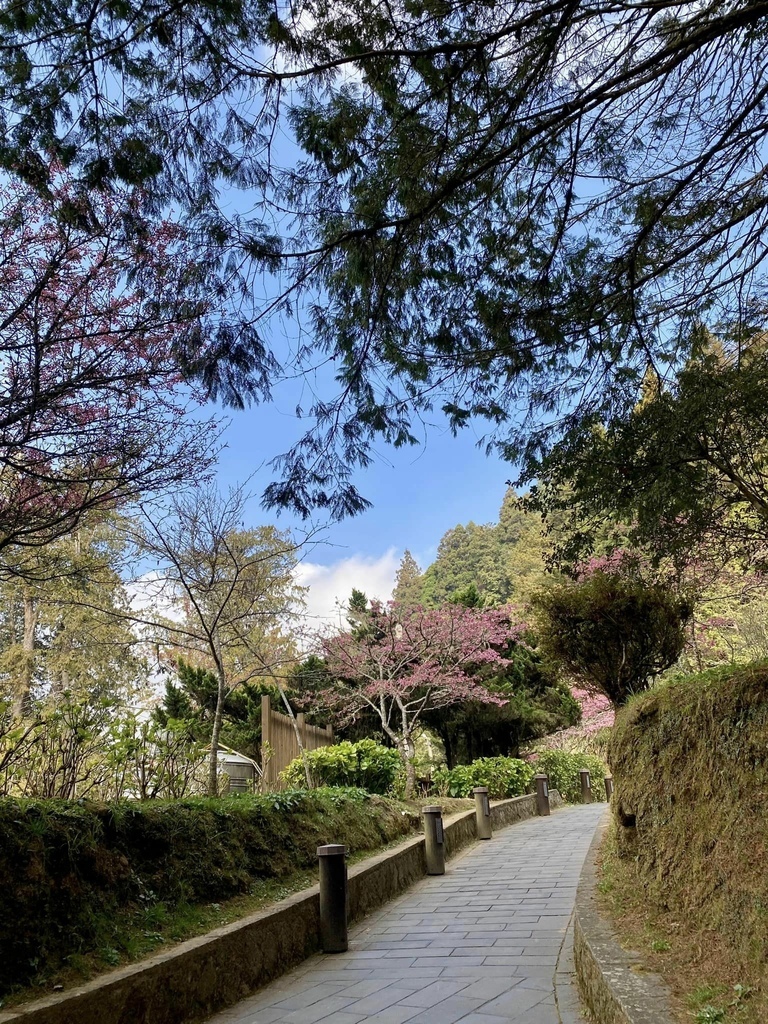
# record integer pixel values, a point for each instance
(434, 839)
(608, 787)
(482, 812)
(542, 794)
(586, 786)
(333, 898)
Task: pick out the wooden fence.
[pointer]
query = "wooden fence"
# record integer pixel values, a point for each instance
(278, 741)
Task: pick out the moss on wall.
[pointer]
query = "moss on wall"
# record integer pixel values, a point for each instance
(690, 767)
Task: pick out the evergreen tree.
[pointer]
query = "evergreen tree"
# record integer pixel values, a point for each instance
(441, 210)
(611, 629)
(192, 699)
(686, 467)
(408, 582)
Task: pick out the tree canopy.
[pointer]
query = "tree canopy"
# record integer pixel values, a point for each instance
(507, 211)
(686, 468)
(102, 331)
(223, 597)
(611, 629)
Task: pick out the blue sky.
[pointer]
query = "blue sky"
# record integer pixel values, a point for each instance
(417, 495)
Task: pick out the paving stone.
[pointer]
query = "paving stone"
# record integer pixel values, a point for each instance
(483, 1018)
(330, 1006)
(447, 1012)
(397, 1014)
(515, 1002)
(486, 943)
(382, 999)
(437, 992)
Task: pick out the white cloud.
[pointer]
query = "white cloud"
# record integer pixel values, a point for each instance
(154, 593)
(332, 584)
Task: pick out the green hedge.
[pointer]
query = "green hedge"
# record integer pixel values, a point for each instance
(366, 764)
(504, 777)
(563, 770)
(66, 866)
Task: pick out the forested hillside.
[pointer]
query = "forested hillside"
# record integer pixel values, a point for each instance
(503, 560)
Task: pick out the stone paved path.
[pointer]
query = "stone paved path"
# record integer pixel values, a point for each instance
(486, 943)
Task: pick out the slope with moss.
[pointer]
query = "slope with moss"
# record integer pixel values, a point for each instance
(690, 767)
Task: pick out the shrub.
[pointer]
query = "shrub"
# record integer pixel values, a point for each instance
(563, 770)
(612, 630)
(365, 764)
(504, 776)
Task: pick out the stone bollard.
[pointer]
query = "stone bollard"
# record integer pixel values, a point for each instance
(434, 839)
(608, 787)
(333, 898)
(542, 794)
(482, 812)
(586, 786)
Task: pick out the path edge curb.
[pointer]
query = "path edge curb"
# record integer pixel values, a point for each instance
(208, 973)
(610, 984)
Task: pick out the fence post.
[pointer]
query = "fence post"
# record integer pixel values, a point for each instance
(434, 839)
(482, 812)
(608, 787)
(586, 786)
(333, 898)
(542, 794)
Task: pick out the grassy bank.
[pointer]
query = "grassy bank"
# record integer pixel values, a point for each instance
(88, 886)
(688, 875)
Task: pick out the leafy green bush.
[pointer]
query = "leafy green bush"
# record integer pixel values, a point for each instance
(563, 770)
(612, 629)
(366, 764)
(70, 869)
(504, 776)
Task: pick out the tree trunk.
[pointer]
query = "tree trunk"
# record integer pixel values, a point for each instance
(406, 752)
(213, 764)
(26, 674)
(445, 735)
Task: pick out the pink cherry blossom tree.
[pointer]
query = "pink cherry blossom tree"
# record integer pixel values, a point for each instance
(103, 337)
(400, 662)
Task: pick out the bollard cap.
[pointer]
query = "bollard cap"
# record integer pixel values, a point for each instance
(333, 850)
(432, 809)
(480, 789)
(541, 775)
(609, 778)
(583, 771)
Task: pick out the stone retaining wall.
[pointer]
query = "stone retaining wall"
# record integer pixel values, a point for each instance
(202, 975)
(612, 988)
